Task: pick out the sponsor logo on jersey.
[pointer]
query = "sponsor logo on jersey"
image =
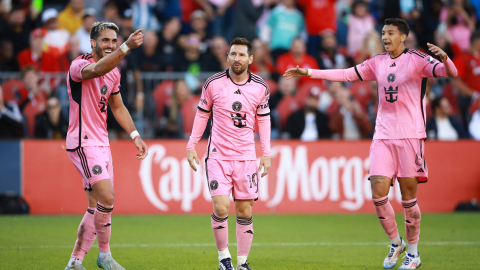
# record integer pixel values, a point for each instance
(237, 106)
(393, 65)
(237, 92)
(389, 94)
(97, 169)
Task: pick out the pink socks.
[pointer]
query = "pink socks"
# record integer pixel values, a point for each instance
(220, 231)
(85, 236)
(244, 235)
(386, 215)
(412, 220)
(103, 224)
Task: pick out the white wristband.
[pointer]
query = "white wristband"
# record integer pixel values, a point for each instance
(309, 72)
(124, 48)
(134, 134)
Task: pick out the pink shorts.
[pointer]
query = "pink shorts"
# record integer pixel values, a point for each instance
(398, 158)
(94, 163)
(236, 176)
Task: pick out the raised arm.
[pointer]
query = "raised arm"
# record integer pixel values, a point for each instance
(109, 62)
(336, 75)
(447, 68)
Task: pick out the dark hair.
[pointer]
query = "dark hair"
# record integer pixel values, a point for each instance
(402, 25)
(357, 4)
(475, 35)
(27, 69)
(436, 102)
(98, 27)
(242, 41)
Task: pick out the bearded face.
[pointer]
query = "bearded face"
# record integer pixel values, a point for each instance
(239, 59)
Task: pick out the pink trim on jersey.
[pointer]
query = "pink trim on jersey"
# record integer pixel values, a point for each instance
(234, 108)
(88, 104)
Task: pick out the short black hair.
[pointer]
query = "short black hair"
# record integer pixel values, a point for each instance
(475, 35)
(402, 25)
(436, 102)
(98, 27)
(242, 41)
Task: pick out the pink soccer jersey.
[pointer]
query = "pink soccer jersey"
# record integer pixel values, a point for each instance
(401, 84)
(88, 104)
(234, 108)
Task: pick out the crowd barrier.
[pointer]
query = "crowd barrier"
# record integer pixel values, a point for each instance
(316, 177)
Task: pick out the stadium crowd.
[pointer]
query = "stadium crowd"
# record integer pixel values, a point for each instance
(192, 37)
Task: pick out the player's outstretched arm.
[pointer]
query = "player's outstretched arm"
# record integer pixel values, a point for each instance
(125, 120)
(336, 75)
(109, 62)
(449, 69)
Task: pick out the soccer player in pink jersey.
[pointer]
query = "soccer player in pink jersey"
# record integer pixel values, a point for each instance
(397, 150)
(94, 82)
(236, 100)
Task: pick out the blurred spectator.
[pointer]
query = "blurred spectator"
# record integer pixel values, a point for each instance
(168, 44)
(404, 9)
(460, 19)
(191, 60)
(247, 12)
(126, 28)
(474, 125)
(166, 9)
(71, 17)
(83, 33)
(35, 103)
(198, 24)
(320, 18)
(371, 46)
(222, 16)
(7, 57)
(360, 23)
(329, 57)
(171, 111)
(349, 120)
(18, 29)
(217, 57)
(468, 80)
(143, 15)
(285, 88)
(72, 53)
(11, 126)
(148, 58)
(443, 125)
(111, 13)
(51, 124)
(284, 24)
(55, 37)
(296, 57)
(308, 123)
(262, 63)
(41, 56)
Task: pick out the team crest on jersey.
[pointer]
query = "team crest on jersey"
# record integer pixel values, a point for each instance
(103, 90)
(418, 160)
(391, 77)
(97, 169)
(237, 106)
(213, 185)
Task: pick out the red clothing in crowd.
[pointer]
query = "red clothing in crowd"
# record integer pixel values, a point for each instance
(318, 24)
(49, 61)
(468, 66)
(287, 60)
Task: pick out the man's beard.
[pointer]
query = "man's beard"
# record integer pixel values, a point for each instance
(99, 52)
(240, 70)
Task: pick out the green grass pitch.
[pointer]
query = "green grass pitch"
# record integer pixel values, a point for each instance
(447, 241)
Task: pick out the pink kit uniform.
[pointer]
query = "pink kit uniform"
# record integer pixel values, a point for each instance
(235, 109)
(400, 125)
(87, 137)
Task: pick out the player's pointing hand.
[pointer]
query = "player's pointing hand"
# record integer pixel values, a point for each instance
(192, 159)
(135, 39)
(295, 72)
(437, 51)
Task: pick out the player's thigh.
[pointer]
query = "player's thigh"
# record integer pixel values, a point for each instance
(380, 186)
(219, 178)
(408, 187)
(382, 168)
(411, 160)
(245, 180)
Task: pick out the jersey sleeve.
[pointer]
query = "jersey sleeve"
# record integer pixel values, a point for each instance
(426, 66)
(116, 87)
(366, 70)
(206, 100)
(76, 69)
(263, 109)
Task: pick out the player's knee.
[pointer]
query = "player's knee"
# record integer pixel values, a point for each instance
(107, 199)
(220, 210)
(244, 211)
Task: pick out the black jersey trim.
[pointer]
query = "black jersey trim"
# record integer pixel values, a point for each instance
(433, 71)
(358, 74)
(118, 92)
(202, 109)
(214, 77)
(265, 114)
(76, 91)
(422, 95)
(404, 51)
(84, 162)
(259, 80)
(249, 78)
